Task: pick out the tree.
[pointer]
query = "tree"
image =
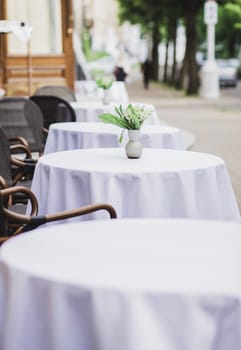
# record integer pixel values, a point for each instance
(172, 14)
(234, 10)
(229, 40)
(153, 15)
(149, 15)
(190, 68)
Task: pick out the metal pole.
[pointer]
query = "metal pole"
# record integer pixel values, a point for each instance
(209, 72)
(211, 42)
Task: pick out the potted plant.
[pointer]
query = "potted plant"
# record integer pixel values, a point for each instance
(131, 119)
(104, 84)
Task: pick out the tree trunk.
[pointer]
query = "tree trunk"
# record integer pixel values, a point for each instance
(183, 72)
(231, 47)
(174, 39)
(166, 62)
(155, 56)
(192, 69)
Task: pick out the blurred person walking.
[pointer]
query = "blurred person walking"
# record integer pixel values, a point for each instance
(119, 73)
(146, 71)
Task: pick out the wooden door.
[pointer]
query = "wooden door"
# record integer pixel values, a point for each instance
(24, 69)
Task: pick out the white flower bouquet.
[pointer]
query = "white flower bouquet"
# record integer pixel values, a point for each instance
(130, 118)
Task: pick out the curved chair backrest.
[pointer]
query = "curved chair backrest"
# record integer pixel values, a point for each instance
(14, 118)
(3, 224)
(5, 158)
(63, 92)
(54, 109)
(35, 121)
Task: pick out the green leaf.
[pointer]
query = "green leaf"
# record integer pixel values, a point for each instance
(121, 111)
(132, 109)
(112, 119)
(121, 136)
(118, 112)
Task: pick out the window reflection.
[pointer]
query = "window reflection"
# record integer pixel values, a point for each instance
(44, 17)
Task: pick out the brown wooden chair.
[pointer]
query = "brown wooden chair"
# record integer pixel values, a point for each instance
(12, 223)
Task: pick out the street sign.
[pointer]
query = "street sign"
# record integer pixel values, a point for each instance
(210, 12)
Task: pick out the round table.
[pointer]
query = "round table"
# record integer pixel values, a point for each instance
(68, 136)
(162, 183)
(90, 110)
(122, 284)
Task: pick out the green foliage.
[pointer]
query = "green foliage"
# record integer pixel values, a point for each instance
(145, 13)
(95, 55)
(228, 34)
(85, 42)
(234, 11)
(90, 55)
(104, 83)
(153, 15)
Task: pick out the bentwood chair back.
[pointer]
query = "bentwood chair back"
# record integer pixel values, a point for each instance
(63, 92)
(21, 117)
(54, 109)
(12, 169)
(5, 158)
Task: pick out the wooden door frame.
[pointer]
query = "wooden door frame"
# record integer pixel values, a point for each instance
(3, 46)
(45, 69)
(67, 32)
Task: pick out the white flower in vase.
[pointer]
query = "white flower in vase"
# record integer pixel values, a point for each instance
(104, 84)
(130, 118)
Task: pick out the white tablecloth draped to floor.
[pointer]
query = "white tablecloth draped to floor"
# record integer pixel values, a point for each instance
(122, 285)
(162, 183)
(88, 111)
(68, 136)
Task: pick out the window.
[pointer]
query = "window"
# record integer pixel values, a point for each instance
(44, 17)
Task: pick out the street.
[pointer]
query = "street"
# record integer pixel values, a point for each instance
(215, 124)
(234, 92)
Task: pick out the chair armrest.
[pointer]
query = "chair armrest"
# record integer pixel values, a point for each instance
(6, 192)
(22, 148)
(67, 214)
(18, 139)
(82, 211)
(3, 183)
(22, 169)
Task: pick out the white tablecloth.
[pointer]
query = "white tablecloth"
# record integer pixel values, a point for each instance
(162, 183)
(67, 136)
(87, 89)
(88, 111)
(122, 285)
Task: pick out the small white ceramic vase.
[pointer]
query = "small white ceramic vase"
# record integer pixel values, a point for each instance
(105, 99)
(134, 147)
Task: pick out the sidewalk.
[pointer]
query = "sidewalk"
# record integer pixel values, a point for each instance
(216, 124)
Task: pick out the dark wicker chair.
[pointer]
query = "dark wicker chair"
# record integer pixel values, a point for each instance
(63, 92)
(35, 121)
(21, 117)
(54, 109)
(12, 169)
(12, 224)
